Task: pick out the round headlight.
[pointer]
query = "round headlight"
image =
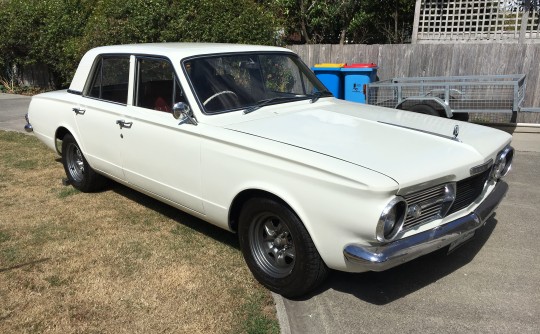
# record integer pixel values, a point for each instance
(503, 163)
(392, 219)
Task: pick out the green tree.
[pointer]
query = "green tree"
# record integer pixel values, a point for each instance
(223, 21)
(143, 21)
(42, 32)
(393, 20)
(347, 21)
(126, 21)
(20, 21)
(56, 33)
(318, 21)
(58, 43)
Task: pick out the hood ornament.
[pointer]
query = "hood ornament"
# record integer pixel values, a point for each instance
(456, 133)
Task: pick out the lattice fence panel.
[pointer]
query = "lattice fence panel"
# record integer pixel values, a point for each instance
(451, 21)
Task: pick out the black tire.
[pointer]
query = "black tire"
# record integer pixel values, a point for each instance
(278, 249)
(79, 173)
(425, 109)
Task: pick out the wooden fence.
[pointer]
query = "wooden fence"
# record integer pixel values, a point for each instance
(415, 60)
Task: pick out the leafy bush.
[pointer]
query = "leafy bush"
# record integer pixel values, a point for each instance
(224, 21)
(42, 32)
(56, 33)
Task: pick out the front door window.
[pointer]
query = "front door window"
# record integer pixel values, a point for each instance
(157, 86)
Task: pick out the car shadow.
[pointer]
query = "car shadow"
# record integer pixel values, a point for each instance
(175, 214)
(380, 288)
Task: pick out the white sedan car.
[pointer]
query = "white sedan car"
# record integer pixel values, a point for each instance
(247, 138)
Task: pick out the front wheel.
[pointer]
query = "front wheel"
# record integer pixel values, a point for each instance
(278, 249)
(79, 173)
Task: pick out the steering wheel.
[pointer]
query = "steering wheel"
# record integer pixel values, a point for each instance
(218, 94)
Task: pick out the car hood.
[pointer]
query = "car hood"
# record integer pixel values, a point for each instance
(408, 147)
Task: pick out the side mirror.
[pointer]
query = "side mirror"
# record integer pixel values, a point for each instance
(182, 111)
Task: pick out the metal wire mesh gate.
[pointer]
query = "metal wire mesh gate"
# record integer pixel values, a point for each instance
(489, 93)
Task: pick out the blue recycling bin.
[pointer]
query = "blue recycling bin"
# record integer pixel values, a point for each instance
(331, 76)
(355, 77)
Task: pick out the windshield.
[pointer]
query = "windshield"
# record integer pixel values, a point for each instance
(231, 82)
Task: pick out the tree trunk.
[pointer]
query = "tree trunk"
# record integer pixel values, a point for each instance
(342, 37)
(396, 17)
(303, 22)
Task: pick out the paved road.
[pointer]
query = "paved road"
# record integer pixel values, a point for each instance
(490, 285)
(12, 111)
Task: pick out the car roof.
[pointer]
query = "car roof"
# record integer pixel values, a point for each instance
(183, 49)
(174, 51)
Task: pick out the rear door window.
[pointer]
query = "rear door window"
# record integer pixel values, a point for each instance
(110, 79)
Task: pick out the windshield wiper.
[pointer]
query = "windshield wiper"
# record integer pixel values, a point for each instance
(314, 97)
(266, 102)
(317, 95)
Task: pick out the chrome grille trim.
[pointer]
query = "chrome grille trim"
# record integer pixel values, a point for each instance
(469, 189)
(437, 202)
(431, 203)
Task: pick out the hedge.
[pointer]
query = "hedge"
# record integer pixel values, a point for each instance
(56, 33)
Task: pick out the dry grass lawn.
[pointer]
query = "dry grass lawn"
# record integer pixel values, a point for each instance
(113, 262)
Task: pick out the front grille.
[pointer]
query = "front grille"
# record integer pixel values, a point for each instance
(431, 202)
(468, 190)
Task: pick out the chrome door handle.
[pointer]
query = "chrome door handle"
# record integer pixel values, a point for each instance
(124, 124)
(79, 111)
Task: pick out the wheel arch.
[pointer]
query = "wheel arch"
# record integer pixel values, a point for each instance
(430, 101)
(244, 196)
(61, 132)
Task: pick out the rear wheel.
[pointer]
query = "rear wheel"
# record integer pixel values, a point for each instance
(278, 249)
(79, 173)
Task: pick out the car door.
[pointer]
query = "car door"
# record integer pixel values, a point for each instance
(102, 104)
(160, 156)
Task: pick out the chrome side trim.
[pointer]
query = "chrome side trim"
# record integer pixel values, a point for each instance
(481, 168)
(379, 258)
(422, 186)
(423, 131)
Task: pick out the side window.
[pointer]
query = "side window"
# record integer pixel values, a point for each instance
(157, 85)
(110, 79)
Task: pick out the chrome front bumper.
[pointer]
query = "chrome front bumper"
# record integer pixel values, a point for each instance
(379, 258)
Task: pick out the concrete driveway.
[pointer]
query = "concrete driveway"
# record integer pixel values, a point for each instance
(489, 285)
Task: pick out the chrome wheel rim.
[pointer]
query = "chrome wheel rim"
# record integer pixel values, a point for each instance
(272, 245)
(75, 163)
